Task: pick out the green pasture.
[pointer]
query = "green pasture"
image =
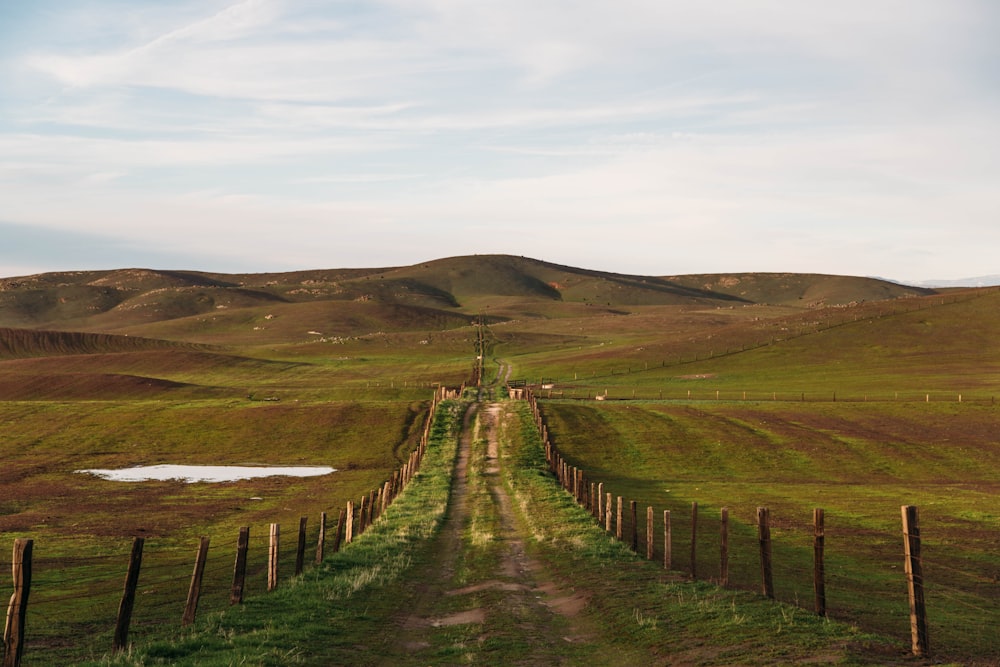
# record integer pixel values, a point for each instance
(906, 349)
(858, 461)
(82, 526)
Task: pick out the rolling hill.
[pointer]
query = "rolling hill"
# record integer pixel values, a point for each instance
(506, 287)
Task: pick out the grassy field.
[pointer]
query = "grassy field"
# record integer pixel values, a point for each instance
(792, 392)
(858, 461)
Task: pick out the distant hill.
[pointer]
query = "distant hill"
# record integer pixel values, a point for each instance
(439, 294)
(808, 290)
(979, 281)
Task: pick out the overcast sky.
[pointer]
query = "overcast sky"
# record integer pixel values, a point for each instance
(657, 137)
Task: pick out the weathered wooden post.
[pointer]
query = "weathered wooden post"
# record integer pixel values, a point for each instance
(338, 535)
(240, 569)
(194, 591)
(362, 516)
(120, 640)
(272, 557)
(635, 525)
(666, 540)
(649, 533)
(694, 540)
(764, 538)
(300, 551)
(321, 540)
(607, 513)
(599, 513)
(724, 549)
(618, 526)
(13, 635)
(349, 534)
(915, 580)
(819, 577)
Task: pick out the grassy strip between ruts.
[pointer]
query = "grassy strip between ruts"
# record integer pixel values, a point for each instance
(640, 605)
(339, 612)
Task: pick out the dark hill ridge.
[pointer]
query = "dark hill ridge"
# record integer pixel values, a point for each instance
(23, 343)
(502, 285)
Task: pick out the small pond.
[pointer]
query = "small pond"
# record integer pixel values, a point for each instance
(205, 473)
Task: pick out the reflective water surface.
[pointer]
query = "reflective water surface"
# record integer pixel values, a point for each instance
(205, 473)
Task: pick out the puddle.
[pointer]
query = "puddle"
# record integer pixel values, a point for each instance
(205, 473)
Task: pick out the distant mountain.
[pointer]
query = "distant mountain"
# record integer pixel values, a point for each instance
(980, 281)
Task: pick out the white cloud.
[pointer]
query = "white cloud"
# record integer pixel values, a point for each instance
(805, 133)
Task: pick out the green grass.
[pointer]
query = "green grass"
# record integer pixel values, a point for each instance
(642, 607)
(336, 613)
(860, 462)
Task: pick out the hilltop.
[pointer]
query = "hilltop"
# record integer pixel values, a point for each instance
(444, 293)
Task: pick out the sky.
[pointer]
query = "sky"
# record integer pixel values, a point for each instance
(654, 137)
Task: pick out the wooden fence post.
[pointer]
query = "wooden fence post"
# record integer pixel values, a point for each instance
(694, 540)
(915, 580)
(362, 516)
(341, 520)
(635, 525)
(599, 509)
(819, 577)
(300, 551)
(240, 569)
(194, 591)
(724, 549)
(607, 513)
(649, 533)
(618, 526)
(272, 557)
(120, 640)
(321, 540)
(666, 540)
(764, 538)
(349, 534)
(13, 635)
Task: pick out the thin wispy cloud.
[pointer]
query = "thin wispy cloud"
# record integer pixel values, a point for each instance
(654, 137)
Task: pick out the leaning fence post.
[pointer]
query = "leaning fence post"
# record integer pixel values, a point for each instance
(240, 569)
(13, 636)
(321, 540)
(915, 580)
(120, 640)
(337, 536)
(764, 537)
(272, 557)
(300, 551)
(819, 578)
(194, 591)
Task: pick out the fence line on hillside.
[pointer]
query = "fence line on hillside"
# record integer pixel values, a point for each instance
(260, 561)
(637, 526)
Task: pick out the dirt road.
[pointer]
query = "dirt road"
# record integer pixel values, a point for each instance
(482, 599)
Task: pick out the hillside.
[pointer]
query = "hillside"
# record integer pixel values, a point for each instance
(136, 301)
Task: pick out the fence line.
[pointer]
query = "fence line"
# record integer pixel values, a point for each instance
(625, 527)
